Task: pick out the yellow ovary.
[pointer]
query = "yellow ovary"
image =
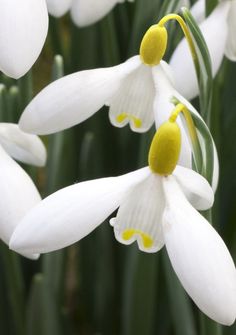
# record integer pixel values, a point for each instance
(165, 149)
(153, 45)
(129, 233)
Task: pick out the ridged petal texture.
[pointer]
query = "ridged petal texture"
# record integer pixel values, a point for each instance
(58, 8)
(140, 213)
(18, 196)
(24, 147)
(199, 256)
(134, 100)
(74, 98)
(23, 30)
(215, 31)
(72, 213)
(86, 12)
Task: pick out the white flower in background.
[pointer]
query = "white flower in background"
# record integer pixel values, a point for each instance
(18, 192)
(23, 30)
(218, 30)
(83, 12)
(156, 208)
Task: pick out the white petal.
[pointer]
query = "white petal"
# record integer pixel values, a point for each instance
(86, 12)
(199, 257)
(230, 51)
(215, 177)
(73, 99)
(18, 196)
(139, 215)
(21, 146)
(23, 30)
(198, 11)
(72, 213)
(134, 101)
(196, 188)
(214, 30)
(184, 3)
(163, 108)
(58, 8)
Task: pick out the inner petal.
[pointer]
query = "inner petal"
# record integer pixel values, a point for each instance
(133, 102)
(139, 216)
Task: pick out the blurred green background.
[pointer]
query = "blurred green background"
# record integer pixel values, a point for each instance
(99, 286)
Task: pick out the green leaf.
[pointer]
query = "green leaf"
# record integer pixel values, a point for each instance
(42, 309)
(180, 306)
(203, 70)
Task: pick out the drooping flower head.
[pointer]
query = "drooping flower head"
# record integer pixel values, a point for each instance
(137, 92)
(157, 206)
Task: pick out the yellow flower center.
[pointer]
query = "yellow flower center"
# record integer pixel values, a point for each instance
(137, 122)
(129, 233)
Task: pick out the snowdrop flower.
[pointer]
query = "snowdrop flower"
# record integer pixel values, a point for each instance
(132, 90)
(157, 207)
(18, 192)
(83, 12)
(218, 30)
(23, 30)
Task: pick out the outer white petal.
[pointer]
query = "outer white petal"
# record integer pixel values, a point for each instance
(21, 146)
(86, 12)
(199, 257)
(74, 98)
(198, 11)
(141, 211)
(72, 213)
(196, 188)
(23, 30)
(18, 196)
(215, 30)
(134, 99)
(58, 8)
(163, 107)
(184, 3)
(230, 51)
(215, 177)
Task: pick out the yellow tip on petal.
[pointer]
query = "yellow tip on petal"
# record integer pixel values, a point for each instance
(147, 240)
(165, 149)
(137, 122)
(153, 45)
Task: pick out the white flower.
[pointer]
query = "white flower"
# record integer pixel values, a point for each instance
(18, 192)
(198, 11)
(23, 30)
(83, 12)
(153, 210)
(135, 93)
(218, 30)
